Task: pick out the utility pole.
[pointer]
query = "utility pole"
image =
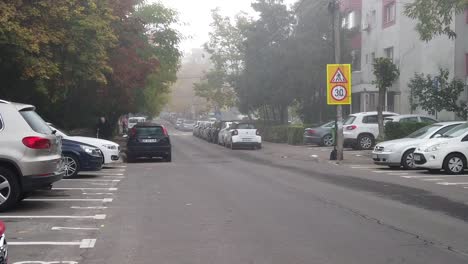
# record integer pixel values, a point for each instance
(334, 8)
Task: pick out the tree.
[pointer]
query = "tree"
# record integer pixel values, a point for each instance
(436, 93)
(386, 73)
(435, 16)
(215, 90)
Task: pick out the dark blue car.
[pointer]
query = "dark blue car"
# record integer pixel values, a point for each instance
(80, 157)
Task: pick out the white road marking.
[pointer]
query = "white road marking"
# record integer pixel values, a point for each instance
(114, 177)
(431, 179)
(85, 243)
(100, 184)
(116, 166)
(88, 207)
(46, 262)
(84, 189)
(379, 171)
(397, 173)
(98, 194)
(314, 156)
(363, 167)
(96, 217)
(102, 174)
(105, 200)
(60, 228)
(452, 183)
(91, 180)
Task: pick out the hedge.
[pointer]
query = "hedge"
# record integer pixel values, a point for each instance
(396, 130)
(295, 135)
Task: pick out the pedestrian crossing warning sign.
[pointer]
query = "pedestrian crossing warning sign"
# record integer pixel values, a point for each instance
(339, 84)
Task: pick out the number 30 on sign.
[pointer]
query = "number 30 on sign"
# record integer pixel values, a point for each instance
(339, 84)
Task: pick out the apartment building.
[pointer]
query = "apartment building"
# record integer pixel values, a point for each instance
(386, 32)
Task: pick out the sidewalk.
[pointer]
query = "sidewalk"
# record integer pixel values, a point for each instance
(312, 152)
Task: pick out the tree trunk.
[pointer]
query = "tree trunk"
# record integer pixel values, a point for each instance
(380, 109)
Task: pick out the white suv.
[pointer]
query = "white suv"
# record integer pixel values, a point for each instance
(361, 129)
(30, 153)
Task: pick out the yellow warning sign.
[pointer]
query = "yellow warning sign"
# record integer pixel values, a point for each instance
(339, 84)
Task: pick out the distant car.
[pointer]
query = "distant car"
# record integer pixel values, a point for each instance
(322, 135)
(399, 152)
(3, 244)
(132, 121)
(243, 135)
(411, 118)
(30, 153)
(78, 156)
(361, 129)
(222, 134)
(206, 130)
(187, 125)
(109, 149)
(149, 140)
(178, 123)
(448, 152)
(214, 132)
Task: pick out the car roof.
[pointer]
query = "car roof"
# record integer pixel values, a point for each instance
(448, 123)
(19, 106)
(148, 124)
(373, 113)
(409, 115)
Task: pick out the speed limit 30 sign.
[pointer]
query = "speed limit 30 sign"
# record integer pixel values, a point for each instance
(339, 84)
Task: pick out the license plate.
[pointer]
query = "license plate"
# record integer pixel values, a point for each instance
(375, 156)
(417, 157)
(149, 140)
(246, 139)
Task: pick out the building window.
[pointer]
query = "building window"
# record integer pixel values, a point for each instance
(389, 53)
(372, 57)
(367, 58)
(389, 13)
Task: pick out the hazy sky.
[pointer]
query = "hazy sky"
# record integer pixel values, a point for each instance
(195, 14)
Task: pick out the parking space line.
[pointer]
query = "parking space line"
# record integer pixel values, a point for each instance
(89, 207)
(380, 171)
(85, 243)
(98, 194)
(91, 180)
(105, 200)
(452, 183)
(60, 228)
(363, 167)
(101, 174)
(435, 176)
(398, 173)
(114, 177)
(431, 179)
(84, 189)
(96, 217)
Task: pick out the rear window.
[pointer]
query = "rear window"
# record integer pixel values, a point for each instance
(245, 126)
(134, 120)
(150, 131)
(36, 122)
(370, 119)
(349, 120)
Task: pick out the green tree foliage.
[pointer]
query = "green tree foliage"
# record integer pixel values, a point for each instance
(435, 16)
(215, 90)
(77, 59)
(437, 93)
(386, 73)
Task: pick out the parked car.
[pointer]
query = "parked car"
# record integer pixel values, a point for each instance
(30, 156)
(110, 150)
(448, 151)
(399, 152)
(149, 140)
(361, 129)
(78, 156)
(187, 125)
(132, 121)
(179, 122)
(411, 118)
(214, 131)
(243, 135)
(206, 130)
(225, 128)
(322, 135)
(3, 244)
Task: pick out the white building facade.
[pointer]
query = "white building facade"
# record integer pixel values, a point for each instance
(387, 32)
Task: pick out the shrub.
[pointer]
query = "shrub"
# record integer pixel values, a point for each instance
(396, 130)
(276, 134)
(295, 135)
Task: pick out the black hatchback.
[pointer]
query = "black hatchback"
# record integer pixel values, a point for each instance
(149, 140)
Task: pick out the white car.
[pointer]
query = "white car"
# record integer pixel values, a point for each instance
(410, 118)
(399, 152)
(361, 129)
(448, 152)
(243, 135)
(109, 149)
(225, 127)
(132, 121)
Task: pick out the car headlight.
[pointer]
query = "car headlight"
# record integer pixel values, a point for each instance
(91, 151)
(109, 146)
(434, 147)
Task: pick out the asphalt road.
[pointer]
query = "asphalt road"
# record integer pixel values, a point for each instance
(215, 205)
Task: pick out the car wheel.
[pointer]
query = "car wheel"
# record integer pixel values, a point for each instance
(327, 141)
(407, 160)
(10, 191)
(454, 164)
(365, 142)
(72, 166)
(168, 158)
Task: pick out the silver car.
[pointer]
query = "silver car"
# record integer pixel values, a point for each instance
(321, 135)
(30, 153)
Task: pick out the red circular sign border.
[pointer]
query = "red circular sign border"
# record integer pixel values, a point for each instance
(346, 90)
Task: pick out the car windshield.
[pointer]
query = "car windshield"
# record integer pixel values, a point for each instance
(349, 120)
(456, 131)
(424, 132)
(245, 126)
(134, 120)
(329, 124)
(155, 131)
